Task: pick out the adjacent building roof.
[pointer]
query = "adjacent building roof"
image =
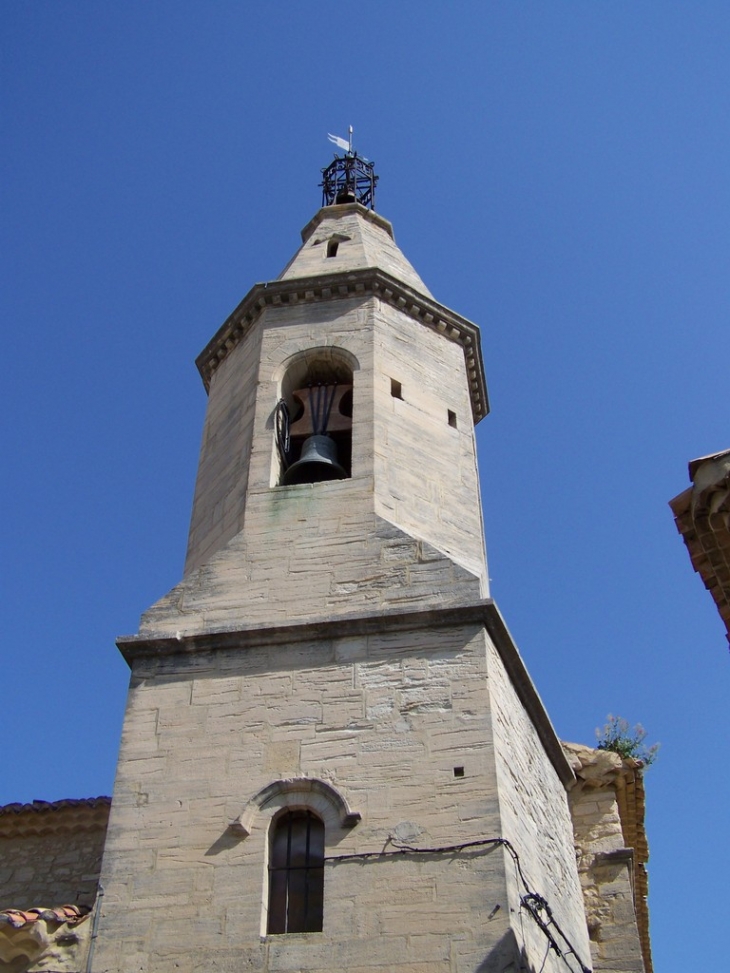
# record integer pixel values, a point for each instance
(702, 515)
(70, 914)
(603, 769)
(45, 817)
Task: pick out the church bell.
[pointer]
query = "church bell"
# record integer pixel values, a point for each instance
(317, 463)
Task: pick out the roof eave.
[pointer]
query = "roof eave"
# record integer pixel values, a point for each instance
(339, 286)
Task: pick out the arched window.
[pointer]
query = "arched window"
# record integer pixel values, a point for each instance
(313, 420)
(296, 873)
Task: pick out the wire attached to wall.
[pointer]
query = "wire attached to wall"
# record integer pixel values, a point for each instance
(282, 425)
(532, 902)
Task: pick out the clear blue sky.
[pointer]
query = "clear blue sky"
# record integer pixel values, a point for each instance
(557, 172)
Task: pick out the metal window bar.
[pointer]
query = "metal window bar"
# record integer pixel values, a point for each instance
(297, 876)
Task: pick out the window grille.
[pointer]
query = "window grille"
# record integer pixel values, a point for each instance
(296, 874)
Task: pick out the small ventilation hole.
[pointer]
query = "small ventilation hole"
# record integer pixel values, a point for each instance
(332, 248)
(452, 419)
(395, 389)
(458, 771)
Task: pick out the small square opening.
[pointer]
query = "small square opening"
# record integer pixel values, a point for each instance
(452, 419)
(458, 771)
(395, 389)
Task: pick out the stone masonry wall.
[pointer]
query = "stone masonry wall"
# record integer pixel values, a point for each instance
(426, 479)
(50, 869)
(220, 489)
(320, 550)
(351, 561)
(365, 240)
(385, 719)
(535, 818)
(605, 864)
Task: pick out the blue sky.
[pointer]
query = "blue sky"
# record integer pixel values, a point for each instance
(557, 173)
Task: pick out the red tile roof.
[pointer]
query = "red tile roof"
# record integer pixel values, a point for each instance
(39, 806)
(71, 914)
(46, 817)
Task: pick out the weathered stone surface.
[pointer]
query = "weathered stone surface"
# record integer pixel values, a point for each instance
(385, 720)
(45, 945)
(535, 815)
(394, 765)
(404, 529)
(365, 239)
(337, 633)
(611, 854)
(50, 853)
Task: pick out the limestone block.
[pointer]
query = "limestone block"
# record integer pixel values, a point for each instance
(365, 240)
(378, 719)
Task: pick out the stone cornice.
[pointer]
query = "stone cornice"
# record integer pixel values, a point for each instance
(348, 284)
(483, 613)
(702, 516)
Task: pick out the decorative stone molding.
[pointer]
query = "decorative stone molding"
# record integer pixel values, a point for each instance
(348, 284)
(308, 792)
(296, 365)
(702, 516)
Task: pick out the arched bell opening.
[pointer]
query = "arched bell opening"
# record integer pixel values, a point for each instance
(313, 418)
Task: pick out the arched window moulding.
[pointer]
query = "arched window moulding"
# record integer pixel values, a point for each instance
(298, 792)
(290, 372)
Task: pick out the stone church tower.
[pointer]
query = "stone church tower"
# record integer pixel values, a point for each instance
(333, 757)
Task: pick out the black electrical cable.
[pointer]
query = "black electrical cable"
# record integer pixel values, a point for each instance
(532, 902)
(282, 423)
(411, 849)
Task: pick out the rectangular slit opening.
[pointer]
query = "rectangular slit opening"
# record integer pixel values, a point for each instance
(452, 419)
(395, 389)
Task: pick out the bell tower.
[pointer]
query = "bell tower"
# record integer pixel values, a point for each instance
(333, 757)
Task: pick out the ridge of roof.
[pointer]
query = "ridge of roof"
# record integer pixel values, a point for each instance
(38, 807)
(49, 817)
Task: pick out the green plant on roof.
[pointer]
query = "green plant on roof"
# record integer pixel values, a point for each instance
(620, 738)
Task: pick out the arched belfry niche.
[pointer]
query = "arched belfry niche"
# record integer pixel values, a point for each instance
(313, 417)
(298, 793)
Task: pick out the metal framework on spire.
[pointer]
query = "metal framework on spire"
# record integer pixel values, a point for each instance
(349, 179)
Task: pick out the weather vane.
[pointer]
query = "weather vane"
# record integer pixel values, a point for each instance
(342, 143)
(350, 178)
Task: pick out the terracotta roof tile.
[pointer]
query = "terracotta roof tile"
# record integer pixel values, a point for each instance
(40, 806)
(71, 914)
(51, 817)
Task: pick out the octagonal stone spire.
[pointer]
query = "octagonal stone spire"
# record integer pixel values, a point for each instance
(348, 237)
